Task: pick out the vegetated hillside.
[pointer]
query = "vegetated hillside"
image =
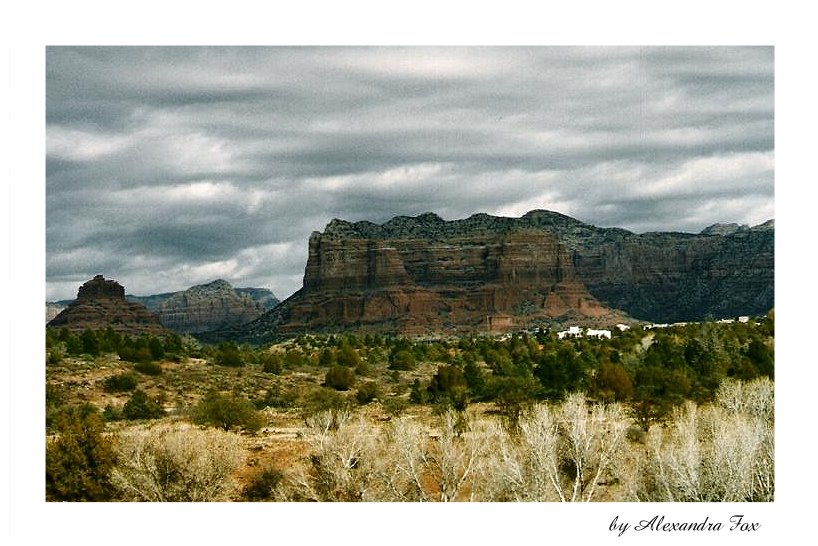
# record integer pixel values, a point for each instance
(422, 274)
(338, 417)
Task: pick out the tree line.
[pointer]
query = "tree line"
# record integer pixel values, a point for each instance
(651, 371)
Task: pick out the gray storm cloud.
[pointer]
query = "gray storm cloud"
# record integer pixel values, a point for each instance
(171, 166)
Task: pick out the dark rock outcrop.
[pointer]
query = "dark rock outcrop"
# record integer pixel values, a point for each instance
(101, 303)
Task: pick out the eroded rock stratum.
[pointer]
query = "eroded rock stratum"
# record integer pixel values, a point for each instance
(423, 274)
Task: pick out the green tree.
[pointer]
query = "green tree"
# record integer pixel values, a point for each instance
(348, 356)
(402, 359)
(156, 348)
(446, 380)
(55, 404)
(148, 367)
(54, 356)
(665, 352)
(120, 383)
(140, 406)
(142, 355)
(228, 354)
(90, 343)
(612, 382)
(418, 394)
(656, 393)
(277, 397)
(499, 360)
(173, 344)
(327, 358)
(340, 378)
(329, 402)
(552, 371)
(226, 412)
(109, 340)
(514, 397)
(79, 461)
(474, 376)
(367, 392)
(761, 356)
(294, 358)
(271, 362)
(73, 344)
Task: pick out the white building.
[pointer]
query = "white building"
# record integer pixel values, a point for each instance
(576, 331)
(572, 331)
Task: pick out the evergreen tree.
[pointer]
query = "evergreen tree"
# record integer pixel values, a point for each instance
(140, 406)
(90, 343)
(226, 412)
(79, 461)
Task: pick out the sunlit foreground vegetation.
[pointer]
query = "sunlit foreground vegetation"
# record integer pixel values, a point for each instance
(685, 414)
(570, 451)
(566, 451)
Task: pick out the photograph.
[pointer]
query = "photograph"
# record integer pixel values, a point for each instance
(497, 274)
(397, 273)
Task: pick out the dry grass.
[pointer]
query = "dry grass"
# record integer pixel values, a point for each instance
(573, 451)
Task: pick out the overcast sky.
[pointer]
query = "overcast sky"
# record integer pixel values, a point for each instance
(169, 167)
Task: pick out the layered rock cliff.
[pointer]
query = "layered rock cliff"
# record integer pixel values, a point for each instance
(415, 284)
(210, 306)
(423, 274)
(101, 303)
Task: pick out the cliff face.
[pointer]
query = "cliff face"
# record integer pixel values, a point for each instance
(208, 306)
(417, 275)
(211, 306)
(261, 296)
(423, 274)
(414, 284)
(726, 270)
(101, 303)
(671, 277)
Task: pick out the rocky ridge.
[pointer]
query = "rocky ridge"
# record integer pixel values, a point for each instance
(725, 270)
(424, 274)
(212, 306)
(227, 306)
(101, 303)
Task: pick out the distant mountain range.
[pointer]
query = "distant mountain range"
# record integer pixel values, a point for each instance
(201, 308)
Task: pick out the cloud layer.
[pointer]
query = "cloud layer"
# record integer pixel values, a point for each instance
(172, 166)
